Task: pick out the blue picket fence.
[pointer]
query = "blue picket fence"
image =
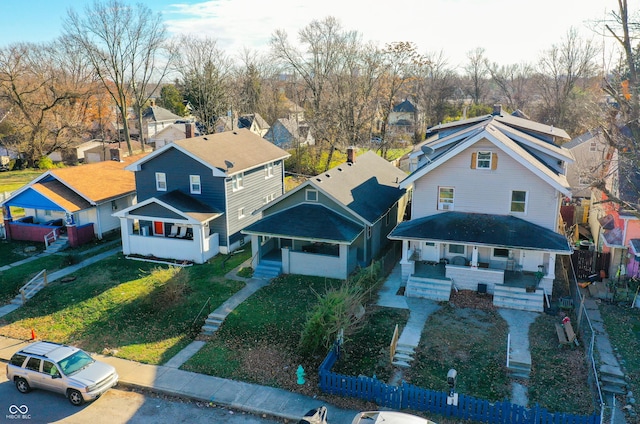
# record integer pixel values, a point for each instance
(407, 396)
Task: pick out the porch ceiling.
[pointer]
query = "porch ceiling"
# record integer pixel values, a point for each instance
(502, 231)
(307, 221)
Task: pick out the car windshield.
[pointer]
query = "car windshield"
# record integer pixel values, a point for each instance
(74, 363)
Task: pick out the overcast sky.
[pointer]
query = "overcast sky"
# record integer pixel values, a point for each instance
(510, 31)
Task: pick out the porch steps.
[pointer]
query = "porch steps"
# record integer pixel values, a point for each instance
(403, 356)
(62, 242)
(428, 288)
(212, 324)
(519, 369)
(267, 269)
(518, 298)
(613, 380)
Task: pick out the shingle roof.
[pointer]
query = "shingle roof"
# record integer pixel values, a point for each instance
(241, 148)
(182, 202)
(405, 106)
(369, 186)
(307, 221)
(99, 181)
(159, 114)
(502, 231)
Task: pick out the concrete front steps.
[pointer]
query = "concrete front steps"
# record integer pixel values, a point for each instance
(429, 288)
(519, 369)
(61, 243)
(613, 380)
(267, 269)
(518, 298)
(212, 324)
(403, 356)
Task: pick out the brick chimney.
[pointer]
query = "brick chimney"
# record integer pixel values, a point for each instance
(189, 129)
(351, 154)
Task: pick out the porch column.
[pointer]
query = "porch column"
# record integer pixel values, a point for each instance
(7, 219)
(405, 249)
(551, 272)
(474, 257)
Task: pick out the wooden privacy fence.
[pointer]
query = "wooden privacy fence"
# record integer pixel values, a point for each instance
(587, 262)
(407, 396)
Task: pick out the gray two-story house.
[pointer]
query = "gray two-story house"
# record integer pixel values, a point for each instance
(195, 195)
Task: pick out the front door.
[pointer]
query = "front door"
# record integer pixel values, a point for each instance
(158, 228)
(430, 252)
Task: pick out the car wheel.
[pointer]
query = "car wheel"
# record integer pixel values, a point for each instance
(22, 385)
(75, 397)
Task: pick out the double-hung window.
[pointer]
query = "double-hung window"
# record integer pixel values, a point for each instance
(518, 201)
(445, 198)
(237, 181)
(268, 170)
(161, 181)
(483, 160)
(194, 184)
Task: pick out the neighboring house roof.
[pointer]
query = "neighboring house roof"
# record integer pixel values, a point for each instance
(635, 247)
(308, 221)
(369, 186)
(581, 139)
(510, 120)
(159, 114)
(228, 152)
(245, 121)
(502, 231)
(174, 205)
(78, 187)
(405, 106)
(521, 146)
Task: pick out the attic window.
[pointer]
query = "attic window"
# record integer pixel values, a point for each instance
(311, 195)
(484, 160)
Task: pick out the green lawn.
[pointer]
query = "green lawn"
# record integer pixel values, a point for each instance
(13, 180)
(13, 251)
(127, 307)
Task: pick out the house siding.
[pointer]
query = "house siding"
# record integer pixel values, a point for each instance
(251, 198)
(469, 195)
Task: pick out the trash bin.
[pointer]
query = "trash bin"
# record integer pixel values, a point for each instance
(482, 288)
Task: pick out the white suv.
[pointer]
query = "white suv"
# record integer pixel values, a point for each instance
(60, 368)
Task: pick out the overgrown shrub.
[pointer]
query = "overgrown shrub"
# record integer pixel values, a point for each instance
(45, 163)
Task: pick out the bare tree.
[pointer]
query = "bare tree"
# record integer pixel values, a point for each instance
(560, 71)
(513, 83)
(477, 72)
(435, 85)
(121, 42)
(47, 88)
(206, 74)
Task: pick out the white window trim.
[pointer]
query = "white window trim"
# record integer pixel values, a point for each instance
(193, 183)
(464, 249)
(237, 181)
(445, 203)
(483, 160)
(526, 201)
(268, 171)
(308, 192)
(241, 213)
(161, 179)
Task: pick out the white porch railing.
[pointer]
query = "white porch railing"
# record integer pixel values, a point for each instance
(33, 286)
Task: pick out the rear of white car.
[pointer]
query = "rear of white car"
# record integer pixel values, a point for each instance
(388, 417)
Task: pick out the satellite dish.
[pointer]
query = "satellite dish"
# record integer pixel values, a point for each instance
(427, 150)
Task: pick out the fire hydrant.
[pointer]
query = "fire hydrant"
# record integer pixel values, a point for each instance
(300, 374)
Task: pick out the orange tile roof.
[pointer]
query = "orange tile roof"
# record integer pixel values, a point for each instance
(95, 182)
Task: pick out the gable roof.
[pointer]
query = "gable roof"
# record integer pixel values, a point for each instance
(245, 121)
(502, 231)
(405, 106)
(369, 186)
(523, 147)
(78, 187)
(159, 114)
(175, 205)
(228, 152)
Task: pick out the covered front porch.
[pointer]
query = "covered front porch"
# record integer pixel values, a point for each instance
(170, 227)
(504, 256)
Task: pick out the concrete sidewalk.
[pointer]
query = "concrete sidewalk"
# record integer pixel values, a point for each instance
(230, 393)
